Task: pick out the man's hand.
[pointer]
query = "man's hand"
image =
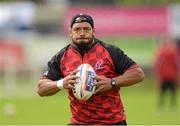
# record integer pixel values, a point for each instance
(102, 84)
(70, 80)
(47, 87)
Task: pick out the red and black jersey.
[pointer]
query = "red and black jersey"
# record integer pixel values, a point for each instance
(107, 60)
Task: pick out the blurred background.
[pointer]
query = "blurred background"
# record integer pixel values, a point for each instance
(32, 31)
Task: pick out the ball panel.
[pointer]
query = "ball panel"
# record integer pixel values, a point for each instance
(83, 90)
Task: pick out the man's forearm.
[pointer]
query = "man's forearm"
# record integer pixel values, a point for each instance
(130, 77)
(47, 87)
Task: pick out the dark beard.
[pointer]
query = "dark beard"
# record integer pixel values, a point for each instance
(83, 45)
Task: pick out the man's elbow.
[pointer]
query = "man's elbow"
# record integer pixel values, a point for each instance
(39, 90)
(140, 74)
(40, 93)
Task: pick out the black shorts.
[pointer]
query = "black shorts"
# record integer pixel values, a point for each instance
(123, 123)
(168, 85)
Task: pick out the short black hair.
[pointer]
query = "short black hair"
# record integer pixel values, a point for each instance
(82, 17)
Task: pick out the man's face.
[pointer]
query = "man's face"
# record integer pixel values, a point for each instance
(82, 33)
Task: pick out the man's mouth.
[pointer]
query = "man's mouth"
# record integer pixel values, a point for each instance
(82, 39)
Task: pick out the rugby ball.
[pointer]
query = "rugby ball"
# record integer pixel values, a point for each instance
(83, 89)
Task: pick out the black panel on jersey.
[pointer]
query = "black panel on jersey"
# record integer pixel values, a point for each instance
(120, 60)
(54, 72)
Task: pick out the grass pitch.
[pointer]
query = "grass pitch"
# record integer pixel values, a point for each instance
(140, 102)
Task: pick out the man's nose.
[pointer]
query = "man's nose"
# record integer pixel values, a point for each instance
(82, 32)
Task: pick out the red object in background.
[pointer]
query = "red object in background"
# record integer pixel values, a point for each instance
(123, 20)
(166, 62)
(11, 53)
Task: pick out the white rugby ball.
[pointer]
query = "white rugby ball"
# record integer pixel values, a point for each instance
(83, 89)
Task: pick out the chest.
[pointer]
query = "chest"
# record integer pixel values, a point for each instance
(98, 57)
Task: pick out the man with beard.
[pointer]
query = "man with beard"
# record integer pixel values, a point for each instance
(114, 69)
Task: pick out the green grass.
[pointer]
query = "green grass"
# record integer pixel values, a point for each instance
(37, 110)
(139, 101)
(141, 108)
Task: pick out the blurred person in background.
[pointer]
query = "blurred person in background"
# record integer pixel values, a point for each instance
(178, 48)
(166, 71)
(114, 69)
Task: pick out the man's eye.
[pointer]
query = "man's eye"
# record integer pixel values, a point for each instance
(87, 29)
(77, 30)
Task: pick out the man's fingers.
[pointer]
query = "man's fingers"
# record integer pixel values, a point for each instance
(70, 86)
(74, 72)
(72, 82)
(97, 90)
(74, 77)
(98, 83)
(97, 78)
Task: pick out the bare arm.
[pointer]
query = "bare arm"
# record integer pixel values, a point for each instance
(130, 77)
(47, 87)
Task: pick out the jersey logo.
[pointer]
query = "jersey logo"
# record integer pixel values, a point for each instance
(99, 65)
